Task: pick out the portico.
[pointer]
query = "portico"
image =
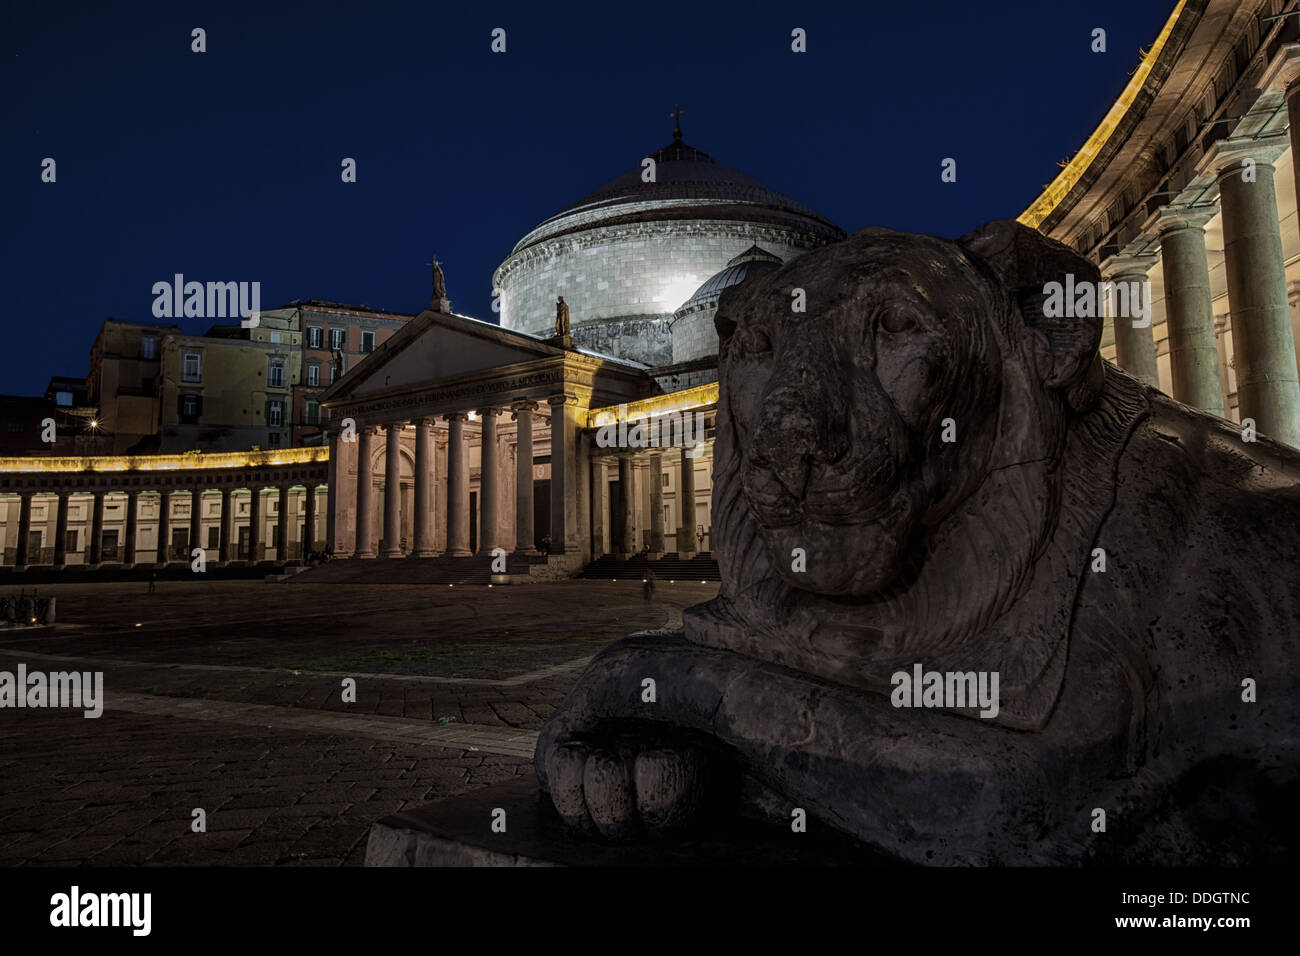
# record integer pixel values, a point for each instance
(458, 438)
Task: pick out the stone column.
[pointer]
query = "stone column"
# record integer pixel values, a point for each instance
(1135, 347)
(132, 521)
(1221, 336)
(164, 523)
(627, 488)
(457, 487)
(97, 529)
(282, 525)
(564, 474)
(309, 520)
(365, 493)
(24, 528)
(226, 522)
(393, 491)
(1189, 314)
(686, 543)
(196, 521)
(599, 503)
(425, 468)
(657, 505)
(1268, 386)
(333, 490)
(1292, 95)
(489, 495)
(523, 414)
(61, 531)
(255, 529)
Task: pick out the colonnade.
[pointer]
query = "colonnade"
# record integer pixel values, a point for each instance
(129, 552)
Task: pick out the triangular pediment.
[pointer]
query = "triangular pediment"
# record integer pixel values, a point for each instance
(435, 346)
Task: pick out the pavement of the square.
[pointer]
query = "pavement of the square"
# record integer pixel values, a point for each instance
(229, 697)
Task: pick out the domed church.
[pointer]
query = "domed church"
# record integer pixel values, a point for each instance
(474, 438)
(633, 252)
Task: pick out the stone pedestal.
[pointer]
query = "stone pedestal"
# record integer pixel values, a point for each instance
(458, 832)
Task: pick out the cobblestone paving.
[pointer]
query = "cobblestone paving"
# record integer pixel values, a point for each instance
(205, 708)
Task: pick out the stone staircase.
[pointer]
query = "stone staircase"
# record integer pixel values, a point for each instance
(700, 567)
(440, 570)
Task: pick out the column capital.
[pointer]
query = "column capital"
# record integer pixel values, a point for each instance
(522, 405)
(556, 401)
(1183, 216)
(456, 417)
(1283, 71)
(1115, 266)
(1226, 156)
(371, 430)
(491, 411)
(394, 426)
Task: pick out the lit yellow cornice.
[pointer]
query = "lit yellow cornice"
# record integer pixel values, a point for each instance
(701, 396)
(188, 462)
(1060, 187)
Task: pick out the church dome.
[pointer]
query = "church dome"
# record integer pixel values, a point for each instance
(689, 184)
(693, 333)
(627, 256)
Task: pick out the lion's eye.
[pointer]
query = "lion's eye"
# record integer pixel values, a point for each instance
(894, 321)
(750, 340)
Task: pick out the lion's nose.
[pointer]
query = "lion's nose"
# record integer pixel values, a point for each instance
(789, 440)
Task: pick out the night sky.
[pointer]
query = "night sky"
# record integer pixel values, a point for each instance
(225, 165)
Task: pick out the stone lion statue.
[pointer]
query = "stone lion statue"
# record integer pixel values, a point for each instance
(925, 472)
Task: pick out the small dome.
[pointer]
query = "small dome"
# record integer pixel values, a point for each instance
(750, 262)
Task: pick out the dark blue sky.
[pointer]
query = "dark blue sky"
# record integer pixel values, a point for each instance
(225, 165)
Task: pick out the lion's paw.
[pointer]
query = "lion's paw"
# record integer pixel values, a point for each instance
(626, 788)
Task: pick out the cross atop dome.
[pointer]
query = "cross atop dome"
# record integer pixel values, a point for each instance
(676, 114)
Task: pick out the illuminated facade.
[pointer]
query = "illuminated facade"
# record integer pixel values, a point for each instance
(1189, 183)
(245, 507)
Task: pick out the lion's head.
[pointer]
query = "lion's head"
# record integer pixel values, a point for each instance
(874, 449)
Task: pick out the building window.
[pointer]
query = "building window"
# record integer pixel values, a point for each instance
(15, 428)
(334, 373)
(367, 342)
(275, 373)
(63, 398)
(315, 336)
(313, 373)
(313, 413)
(665, 477)
(276, 338)
(191, 366)
(274, 413)
(338, 338)
(191, 406)
(70, 541)
(214, 538)
(149, 347)
(273, 439)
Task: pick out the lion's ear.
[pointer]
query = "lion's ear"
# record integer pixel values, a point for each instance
(1064, 348)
